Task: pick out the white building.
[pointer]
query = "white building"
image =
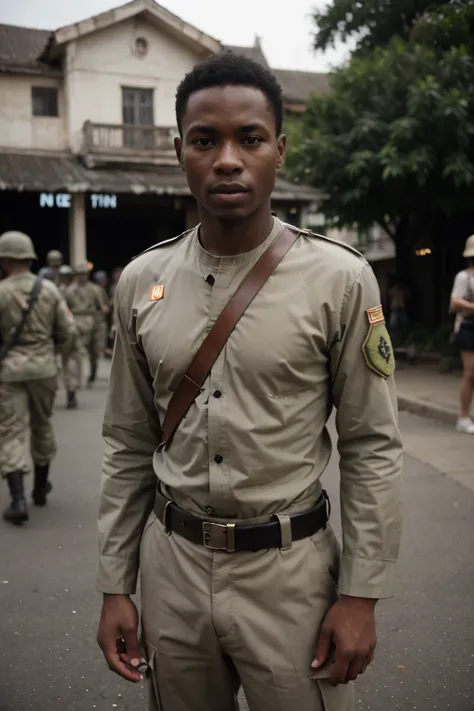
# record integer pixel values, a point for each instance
(87, 122)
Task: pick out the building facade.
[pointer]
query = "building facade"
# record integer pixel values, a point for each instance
(87, 123)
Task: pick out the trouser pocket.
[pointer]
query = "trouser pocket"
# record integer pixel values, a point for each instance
(154, 698)
(336, 698)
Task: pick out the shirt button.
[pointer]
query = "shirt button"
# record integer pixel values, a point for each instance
(209, 510)
(218, 458)
(210, 280)
(217, 393)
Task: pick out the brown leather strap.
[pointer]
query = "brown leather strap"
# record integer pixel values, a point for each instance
(190, 384)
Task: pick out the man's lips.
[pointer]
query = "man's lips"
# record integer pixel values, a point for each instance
(229, 189)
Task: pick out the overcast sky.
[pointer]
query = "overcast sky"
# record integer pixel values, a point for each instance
(285, 32)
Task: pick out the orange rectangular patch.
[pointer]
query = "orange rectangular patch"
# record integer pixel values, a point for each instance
(375, 315)
(157, 292)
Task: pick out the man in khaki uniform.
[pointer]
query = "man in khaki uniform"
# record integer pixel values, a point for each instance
(86, 303)
(28, 372)
(232, 591)
(54, 260)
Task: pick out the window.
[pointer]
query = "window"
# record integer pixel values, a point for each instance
(141, 46)
(44, 100)
(138, 117)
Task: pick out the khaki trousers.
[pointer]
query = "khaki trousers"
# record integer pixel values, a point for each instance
(25, 412)
(212, 621)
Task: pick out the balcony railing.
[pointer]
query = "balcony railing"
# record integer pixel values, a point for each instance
(129, 142)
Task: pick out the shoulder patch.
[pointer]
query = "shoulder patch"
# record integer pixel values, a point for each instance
(377, 347)
(337, 242)
(162, 244)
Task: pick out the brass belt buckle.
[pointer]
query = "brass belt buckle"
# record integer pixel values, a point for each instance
(219, 536)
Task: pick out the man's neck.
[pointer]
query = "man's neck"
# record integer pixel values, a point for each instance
(225, 238)
(17, 271)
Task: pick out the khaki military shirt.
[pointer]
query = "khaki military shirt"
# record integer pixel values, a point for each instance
(255, 442)
(49, 325)
(86, 302)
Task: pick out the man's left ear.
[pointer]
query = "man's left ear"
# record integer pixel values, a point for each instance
(281, 151)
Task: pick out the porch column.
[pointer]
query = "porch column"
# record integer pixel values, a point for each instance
(77, 229)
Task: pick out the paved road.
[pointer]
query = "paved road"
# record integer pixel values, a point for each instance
(49, 610)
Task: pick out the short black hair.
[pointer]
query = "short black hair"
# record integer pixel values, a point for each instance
(230, 69)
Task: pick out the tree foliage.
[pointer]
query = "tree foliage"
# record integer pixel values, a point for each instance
(393, 143)
(372, 23)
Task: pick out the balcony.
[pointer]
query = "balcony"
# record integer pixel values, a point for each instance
(127, 143)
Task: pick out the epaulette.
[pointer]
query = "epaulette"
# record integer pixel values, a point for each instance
(162, 243)
(309, 233)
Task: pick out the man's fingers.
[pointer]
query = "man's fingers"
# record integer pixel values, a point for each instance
(116, 664)
(356, 667)
(322, 650)
(340, 667)
(132, 648)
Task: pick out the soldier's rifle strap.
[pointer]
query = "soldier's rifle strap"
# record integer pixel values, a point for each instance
(192, 381)
(14, 338)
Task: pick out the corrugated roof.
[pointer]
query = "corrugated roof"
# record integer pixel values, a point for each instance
(300, 86)
(21, 171)
(254, 53)
(20, 48)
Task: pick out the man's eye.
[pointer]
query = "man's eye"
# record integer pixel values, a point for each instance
(202, 142)
(252, 140)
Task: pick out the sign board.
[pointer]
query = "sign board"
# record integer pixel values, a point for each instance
(64, 200)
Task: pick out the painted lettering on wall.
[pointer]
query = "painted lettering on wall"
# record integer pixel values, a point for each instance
(64, 200)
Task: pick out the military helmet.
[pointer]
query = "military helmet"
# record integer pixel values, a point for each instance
(66, 270)
(469, 249)
(54, 255)
(82, 268)
(16, 245)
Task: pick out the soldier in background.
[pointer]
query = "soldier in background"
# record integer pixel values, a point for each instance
(66, 276)
(54, 260)
(86, 303)
(34, 321)
(113, 286)
(102, 326)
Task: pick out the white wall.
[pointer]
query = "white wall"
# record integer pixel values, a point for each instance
(100, 64)
(18, 127)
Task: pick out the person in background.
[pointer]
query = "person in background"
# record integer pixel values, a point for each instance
(66, 276)
(462, 302)
(113, 286)
(86, 302)
(54, 260)
(398, 298)
(101, 280)
(28, 371)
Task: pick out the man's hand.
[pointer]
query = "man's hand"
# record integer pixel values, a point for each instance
(350, 626)
(119, 620)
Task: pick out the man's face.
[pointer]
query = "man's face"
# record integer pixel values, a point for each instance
(82, 279)
(230, 150)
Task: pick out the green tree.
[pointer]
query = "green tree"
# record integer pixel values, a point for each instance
(372, 23)
(393, 143)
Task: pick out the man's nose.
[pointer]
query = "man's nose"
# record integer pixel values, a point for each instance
(229, 158)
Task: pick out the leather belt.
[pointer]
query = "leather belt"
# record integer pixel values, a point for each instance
(238, 537)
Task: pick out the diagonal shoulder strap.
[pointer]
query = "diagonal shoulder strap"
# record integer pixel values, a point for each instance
(190, 384)
(16, 335)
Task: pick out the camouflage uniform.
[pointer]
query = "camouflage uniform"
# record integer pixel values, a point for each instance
(28, 371)
(85, 302)
(100, 331)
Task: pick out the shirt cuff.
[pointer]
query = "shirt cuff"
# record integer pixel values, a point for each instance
(117, 575)
(364, 577)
